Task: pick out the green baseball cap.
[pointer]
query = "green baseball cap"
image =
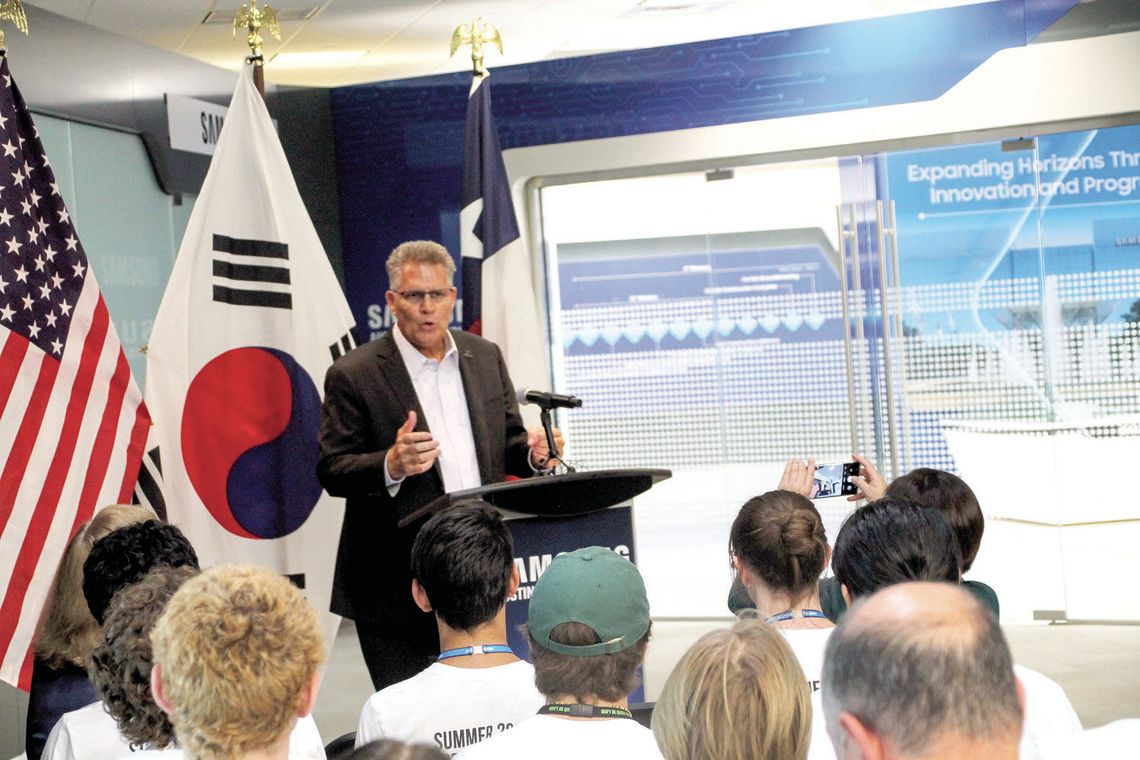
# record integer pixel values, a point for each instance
(594, 587)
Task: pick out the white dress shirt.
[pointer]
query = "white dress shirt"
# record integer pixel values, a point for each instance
(439, 388)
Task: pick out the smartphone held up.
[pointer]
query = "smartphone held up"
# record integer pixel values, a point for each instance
(835, 480)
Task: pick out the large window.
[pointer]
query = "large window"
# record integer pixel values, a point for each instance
(900, 304)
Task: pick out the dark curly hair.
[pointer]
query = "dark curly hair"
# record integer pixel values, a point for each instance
(120, 666)
(124, 556)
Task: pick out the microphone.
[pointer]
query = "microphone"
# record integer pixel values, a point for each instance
(547, 400)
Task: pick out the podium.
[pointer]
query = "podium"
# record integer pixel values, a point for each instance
(551, 515)
(572, 494)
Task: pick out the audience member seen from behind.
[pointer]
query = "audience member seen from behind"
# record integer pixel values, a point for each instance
(127, 717)
(124, 556)
(390, 749)
(950, 495)
(588, 626)
(737, 694)
(946, 493)
(779, 549)
(921, 670)
(889, 542)
(67, 631)
(463, 570)
(212, 649)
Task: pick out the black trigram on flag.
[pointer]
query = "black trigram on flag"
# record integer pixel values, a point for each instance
(148, 488)
(257, 283)
(347, 342)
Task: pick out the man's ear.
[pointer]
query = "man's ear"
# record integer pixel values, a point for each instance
(158, 692)
(309, 695)
(846, 594)
(513, 586)
(420, 596)
(867, 744)
(1020, 695)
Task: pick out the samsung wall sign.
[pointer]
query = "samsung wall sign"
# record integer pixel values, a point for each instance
(195, 125)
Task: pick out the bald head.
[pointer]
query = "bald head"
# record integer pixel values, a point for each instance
(919, 665)
(923, 609)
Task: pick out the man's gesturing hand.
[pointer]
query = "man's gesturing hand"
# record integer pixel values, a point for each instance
(413, 452)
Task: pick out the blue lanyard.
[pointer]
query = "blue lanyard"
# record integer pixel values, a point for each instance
(476, 649)
(788, 615)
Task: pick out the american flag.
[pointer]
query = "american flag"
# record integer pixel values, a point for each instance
(72, 421)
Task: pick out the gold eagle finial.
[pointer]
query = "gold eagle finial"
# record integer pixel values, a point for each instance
(13, 10)
(476, 35)
(251, 19)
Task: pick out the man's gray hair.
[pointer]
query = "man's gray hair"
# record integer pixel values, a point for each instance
(914, 676)
(417, 252)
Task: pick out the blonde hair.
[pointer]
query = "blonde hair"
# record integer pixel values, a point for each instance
(737, 694)
(237, 647)
(67, 633)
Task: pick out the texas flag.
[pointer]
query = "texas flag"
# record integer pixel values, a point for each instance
(499, 296)
(251, 319)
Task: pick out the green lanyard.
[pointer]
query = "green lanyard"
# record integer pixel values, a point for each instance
(577, 710)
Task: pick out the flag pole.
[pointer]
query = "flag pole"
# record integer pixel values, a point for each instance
(252, 19)
(13, 10)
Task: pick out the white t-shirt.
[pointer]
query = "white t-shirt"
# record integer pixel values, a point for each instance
(90, 733)
(552, 738)
(1049, 715)
(808, 645)
(1117, 739)
(451, 708)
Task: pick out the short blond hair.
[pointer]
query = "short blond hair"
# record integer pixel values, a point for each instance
(737, 694)
(67, 631)
(237, 648)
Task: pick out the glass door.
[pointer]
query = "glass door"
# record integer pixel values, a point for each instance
(699, 317)
(1017, 275)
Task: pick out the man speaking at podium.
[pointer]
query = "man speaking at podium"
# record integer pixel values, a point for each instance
(417, 413)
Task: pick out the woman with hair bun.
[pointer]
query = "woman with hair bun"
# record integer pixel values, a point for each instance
(779, 550)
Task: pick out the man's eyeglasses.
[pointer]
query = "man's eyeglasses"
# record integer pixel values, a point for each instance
(417, 296)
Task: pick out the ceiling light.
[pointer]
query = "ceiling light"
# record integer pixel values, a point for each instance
(678, 7)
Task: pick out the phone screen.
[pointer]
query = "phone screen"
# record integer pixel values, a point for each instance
(835, 480)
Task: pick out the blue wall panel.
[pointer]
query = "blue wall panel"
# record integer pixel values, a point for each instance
(399, 143)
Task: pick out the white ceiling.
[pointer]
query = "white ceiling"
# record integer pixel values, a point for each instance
(394, 39)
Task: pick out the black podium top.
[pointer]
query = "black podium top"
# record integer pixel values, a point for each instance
(552, 496)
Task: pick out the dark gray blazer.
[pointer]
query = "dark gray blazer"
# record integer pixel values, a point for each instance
(368, 394)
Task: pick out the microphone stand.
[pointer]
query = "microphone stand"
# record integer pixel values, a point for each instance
(547, 425)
